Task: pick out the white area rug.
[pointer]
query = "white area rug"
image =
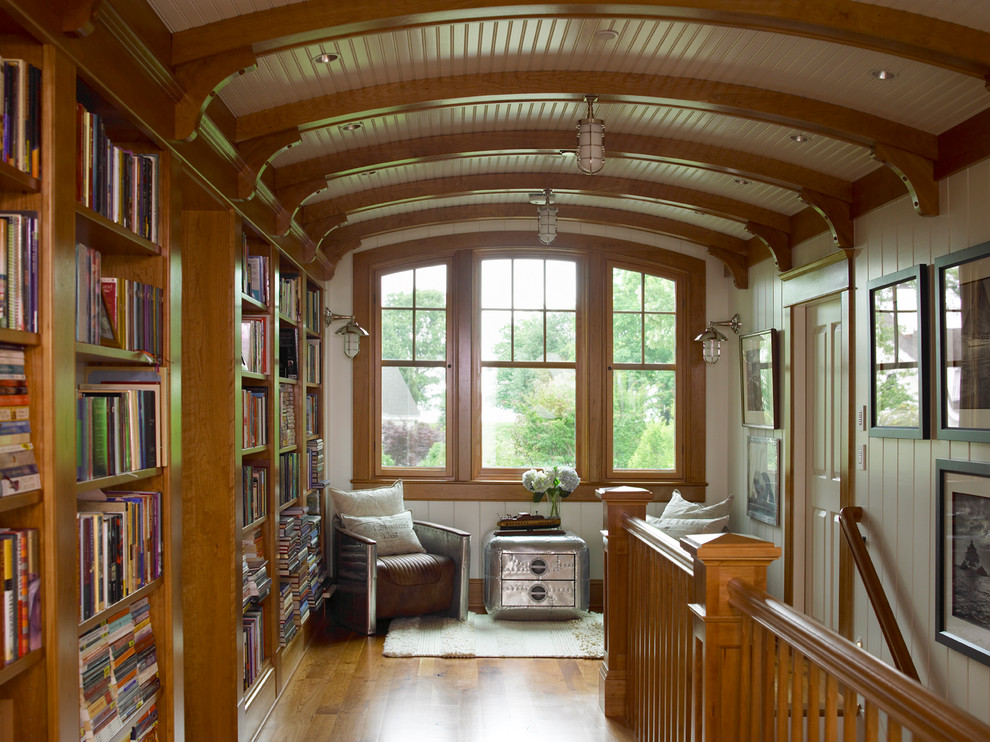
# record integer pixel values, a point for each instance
(481, 636)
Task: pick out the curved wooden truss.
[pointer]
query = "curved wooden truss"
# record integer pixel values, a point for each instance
(281, 192)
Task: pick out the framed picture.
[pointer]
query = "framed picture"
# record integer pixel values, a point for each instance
(963, 344)
(962, 582)
(763, 480)
(758, 359)
(899, 331)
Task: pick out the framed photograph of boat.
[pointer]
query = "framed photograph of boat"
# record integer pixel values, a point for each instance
(899, 355)
(763, 488)
(962, 580)
(759, 367)
(962, 350)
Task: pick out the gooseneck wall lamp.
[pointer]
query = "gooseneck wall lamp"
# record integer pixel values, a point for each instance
(711, 339)
(352, 332)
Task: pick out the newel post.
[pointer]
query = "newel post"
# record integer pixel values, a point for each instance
(618, 502)
(719, 558)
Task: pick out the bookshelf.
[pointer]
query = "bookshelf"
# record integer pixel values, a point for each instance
(124, 426)
(185, 247)
(41, 686)
(243, 467)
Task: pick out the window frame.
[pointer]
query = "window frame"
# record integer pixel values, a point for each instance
(464, 478)
(478, 471)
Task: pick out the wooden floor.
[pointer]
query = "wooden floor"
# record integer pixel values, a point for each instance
(345, 691)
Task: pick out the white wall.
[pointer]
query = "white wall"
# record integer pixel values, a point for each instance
(584, 518)
(897, 488)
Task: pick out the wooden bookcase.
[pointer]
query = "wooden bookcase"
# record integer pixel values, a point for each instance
(219, 705)
(43, 686)
(196, 605)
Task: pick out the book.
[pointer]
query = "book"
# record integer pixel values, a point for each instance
(18, 469)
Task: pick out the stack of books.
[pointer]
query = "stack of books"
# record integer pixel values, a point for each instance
(288, 477)
(118, 668)
(254, 485)
(118, 184)
(254, 412)
(20, 617)
(19, 271)
(120, 547)
(287, 415)
(18, 468)
(20, 98)
(314, 463)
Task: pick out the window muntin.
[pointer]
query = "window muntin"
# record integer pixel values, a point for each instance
(644, 377)
(413, 380)
(528, 336)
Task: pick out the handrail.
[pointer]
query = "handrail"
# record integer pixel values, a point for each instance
(659, 541)
(918, 708)
(848, 518)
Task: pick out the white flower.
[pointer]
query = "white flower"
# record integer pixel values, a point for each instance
(538, 481)
(528, 478)
(568, 478)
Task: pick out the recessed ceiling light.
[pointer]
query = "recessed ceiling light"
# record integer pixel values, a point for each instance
(569, 152)
(607, 34)
(352, 127)
(326, 58)
(884, 74)
(741, 181)
(800, 138)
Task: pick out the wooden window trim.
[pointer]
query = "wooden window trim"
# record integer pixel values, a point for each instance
(595, 257)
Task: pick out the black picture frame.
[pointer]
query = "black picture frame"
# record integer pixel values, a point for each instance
(760, 370)
(763, 479)
(962, 557)
(962, 351)
(900, 357)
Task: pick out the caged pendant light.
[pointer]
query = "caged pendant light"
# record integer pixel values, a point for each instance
(547, 219)
(590, 140)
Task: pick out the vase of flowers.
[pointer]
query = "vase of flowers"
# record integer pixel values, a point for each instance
(556, 484)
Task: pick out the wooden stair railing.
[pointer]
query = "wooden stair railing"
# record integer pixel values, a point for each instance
(849, 518)
(799, 675)
(697, 651)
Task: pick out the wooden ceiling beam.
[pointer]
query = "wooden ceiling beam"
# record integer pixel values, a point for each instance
(256, 154)
(868, 26)
(777, 242)
(737, 265)
(198, 82)
(658, 148)
(917, 173)
(837, 215)
(805, 114)
(597, 186)
(596, 215)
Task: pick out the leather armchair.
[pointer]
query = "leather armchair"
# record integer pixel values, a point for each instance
(371, 588)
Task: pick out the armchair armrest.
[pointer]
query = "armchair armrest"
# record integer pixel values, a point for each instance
(456, 544)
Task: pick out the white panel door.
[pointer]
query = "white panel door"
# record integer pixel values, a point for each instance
(823, 418)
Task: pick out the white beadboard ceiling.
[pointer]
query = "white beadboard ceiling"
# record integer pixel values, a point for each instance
(423, 55)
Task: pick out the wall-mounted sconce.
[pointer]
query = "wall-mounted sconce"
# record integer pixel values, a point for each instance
(711, 339)
(352, 332)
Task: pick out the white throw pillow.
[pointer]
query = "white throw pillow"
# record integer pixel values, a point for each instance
(678, 507)
(678, 527)
(394, 534)
(378, 501)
